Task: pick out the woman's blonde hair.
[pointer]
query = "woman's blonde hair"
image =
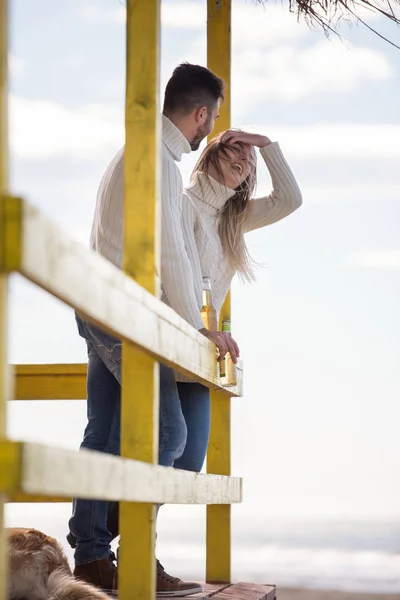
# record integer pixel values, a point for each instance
(232, 217)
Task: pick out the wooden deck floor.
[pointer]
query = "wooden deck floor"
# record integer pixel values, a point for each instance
(235, 591)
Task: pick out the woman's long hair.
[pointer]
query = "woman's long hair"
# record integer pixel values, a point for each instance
(232, 216)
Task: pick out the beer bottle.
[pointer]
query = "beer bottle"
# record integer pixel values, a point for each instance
(208, 312)
(227, 367)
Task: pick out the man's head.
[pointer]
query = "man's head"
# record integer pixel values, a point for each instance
(192, 99)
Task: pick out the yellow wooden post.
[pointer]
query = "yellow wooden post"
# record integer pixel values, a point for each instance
(3, 276)
(218, 562)
(140, 374)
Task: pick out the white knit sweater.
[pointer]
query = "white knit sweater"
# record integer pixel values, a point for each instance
(107, 235)
(191, 247)
(202, 202)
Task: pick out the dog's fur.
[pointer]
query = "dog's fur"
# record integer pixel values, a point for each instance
(39, 570)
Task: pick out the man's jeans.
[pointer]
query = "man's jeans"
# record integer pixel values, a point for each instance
(183, 436)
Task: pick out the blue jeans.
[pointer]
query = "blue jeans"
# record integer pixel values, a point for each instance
(183, 433)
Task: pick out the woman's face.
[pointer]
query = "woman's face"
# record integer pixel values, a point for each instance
(236, 163)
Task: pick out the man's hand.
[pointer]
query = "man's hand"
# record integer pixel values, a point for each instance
(252, 139)
(224, 342)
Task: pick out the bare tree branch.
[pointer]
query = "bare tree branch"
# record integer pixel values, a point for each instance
(329, 13)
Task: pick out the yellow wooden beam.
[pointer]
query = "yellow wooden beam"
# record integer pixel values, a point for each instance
(140, 372)
(20, 497)
(143, 145)
(12, 235)
(219, 53)
(50, 382)
(218, 561)
(10, 466)
(218, 536)
(219, 61)
(66, 382)
(3, 404)
(4, 371)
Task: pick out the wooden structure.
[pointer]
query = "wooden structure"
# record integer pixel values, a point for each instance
(37, 249)
(237, 591)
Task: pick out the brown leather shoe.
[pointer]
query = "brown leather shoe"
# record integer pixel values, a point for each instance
(172, 586)
(100, 573)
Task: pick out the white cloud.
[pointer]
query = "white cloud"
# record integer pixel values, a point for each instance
(335, 140)
(249, 22)
(177, 15)
(289, 73)
(193, 15)
(41, 129)
(353, 192)
(16, 65)
(267, 58)
(184, 15)
(95, 14)
(375, 259)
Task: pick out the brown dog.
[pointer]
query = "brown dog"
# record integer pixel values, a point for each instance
(39, 570)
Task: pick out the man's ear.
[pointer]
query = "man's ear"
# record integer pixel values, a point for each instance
(201, 114)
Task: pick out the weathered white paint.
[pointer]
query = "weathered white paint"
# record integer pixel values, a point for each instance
(59, 472)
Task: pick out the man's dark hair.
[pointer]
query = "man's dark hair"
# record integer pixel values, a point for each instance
(190, 87)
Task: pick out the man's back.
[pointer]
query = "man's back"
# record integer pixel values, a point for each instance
(107, 235)
(179, 288)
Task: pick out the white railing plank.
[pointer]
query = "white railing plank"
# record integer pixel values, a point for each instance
(58, 472)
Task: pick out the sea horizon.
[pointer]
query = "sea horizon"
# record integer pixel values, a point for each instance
(331, 553)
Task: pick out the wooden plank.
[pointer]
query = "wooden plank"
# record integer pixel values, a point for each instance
(142, 236)
(247, 591)
(218, 528)
(11, 466)
(50, 382)
(208, 591)
(218, 536)
(238, 591)
(219, 53)
(105, 477)
(3, 552)
(20, 497)
(105, 295)
(139, 440)
(4, 371)
(57, 382)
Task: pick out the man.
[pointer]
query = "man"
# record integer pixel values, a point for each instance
(192, 99)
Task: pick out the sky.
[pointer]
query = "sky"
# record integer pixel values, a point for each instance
(316, 433)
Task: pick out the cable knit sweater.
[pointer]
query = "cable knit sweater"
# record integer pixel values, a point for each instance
(202, 202)
(191, 247)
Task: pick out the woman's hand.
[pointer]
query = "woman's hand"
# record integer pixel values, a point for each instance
(253, 139)
(224, 342)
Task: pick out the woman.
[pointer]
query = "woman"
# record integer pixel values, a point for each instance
(218, 209)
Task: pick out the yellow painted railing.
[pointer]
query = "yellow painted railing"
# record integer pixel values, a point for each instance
(128, 306)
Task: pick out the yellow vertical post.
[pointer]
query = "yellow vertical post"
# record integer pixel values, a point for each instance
(140, 374)
(3, 276)
(218, 562)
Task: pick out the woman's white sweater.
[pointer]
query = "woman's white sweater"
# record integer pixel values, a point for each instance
(201, 206)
